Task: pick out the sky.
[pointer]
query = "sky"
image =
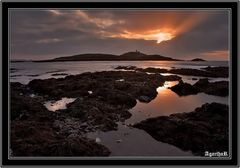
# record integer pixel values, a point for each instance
(181, 34)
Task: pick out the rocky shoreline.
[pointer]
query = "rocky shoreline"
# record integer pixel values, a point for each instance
(102, 99)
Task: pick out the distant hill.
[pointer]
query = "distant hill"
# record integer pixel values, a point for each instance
(198, 59)
(129, 56)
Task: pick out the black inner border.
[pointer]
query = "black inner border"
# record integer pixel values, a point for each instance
(179, 5)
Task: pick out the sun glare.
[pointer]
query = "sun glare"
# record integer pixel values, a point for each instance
(163, 37)
(155, 35)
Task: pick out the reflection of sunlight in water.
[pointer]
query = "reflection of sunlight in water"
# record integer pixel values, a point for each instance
(166, 74)
(166, 85)
(58, 105)
(167, 102)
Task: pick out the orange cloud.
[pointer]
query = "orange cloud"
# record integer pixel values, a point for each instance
(169, 25)
(160, 25)
(146, 25)
(216, 55)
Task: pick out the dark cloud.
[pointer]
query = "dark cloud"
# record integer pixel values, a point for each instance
(211, 35)
(42, 34)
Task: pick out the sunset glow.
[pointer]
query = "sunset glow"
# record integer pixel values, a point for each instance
(180, 34)
(163, 37)
(159, 37)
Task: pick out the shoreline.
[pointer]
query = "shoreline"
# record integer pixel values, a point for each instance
(102, 99)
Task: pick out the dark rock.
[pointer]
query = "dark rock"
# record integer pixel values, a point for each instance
(126, 67)
(78, 85)
(55, 71)
(206, 72)
(219, 88)
(18, 88)
(144, 99)
(194, 72)
(99, 113)
(33, 75)
(198, 59)
(146, 94)
(25, 106)
(77, 146)
(153, 70)
(172, 78)
(13, 70)
(31, 138)
(205, 129)
(36, 132)
(116, 97)
(203, 85)
(219, 71)
(59, 74)
(183, 89)
(202, 82)
(12, 76)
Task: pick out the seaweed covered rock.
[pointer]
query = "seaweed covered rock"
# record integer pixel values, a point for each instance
(116, 97)
(31, 138)
(23, 106)
(132, 83)
(35, 131)
(97, 113)
(76, 146)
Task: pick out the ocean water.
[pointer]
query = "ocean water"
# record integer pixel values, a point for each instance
(127, 141)
(24, 72)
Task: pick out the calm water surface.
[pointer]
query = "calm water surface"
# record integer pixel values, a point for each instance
(26, 71)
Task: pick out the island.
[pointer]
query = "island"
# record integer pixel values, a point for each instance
(198, 59)
(129, 56)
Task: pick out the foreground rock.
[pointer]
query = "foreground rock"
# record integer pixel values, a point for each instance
(23, 106)
(97, 114)
(219, 88)
(33, 138)
(205, 129)
(33, 132)
(205, 72)
(184, 89)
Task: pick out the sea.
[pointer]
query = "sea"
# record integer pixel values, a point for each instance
(127, 141)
